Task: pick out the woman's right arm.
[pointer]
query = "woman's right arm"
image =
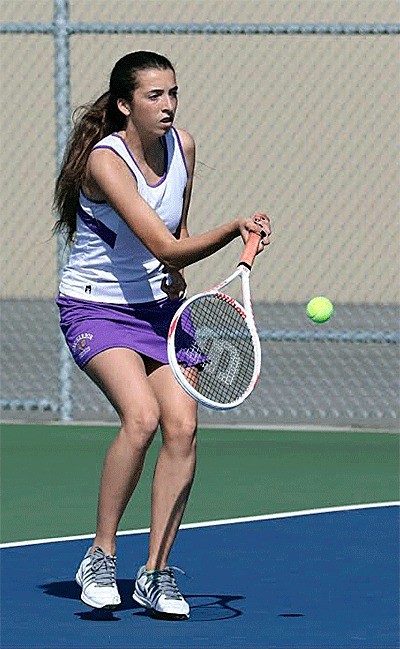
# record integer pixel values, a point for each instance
(108, 178)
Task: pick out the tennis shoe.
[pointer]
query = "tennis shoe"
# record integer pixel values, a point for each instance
(96, 577)
(157, 590)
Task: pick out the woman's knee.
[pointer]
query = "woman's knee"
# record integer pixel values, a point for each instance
(180, 430)
(140, 426)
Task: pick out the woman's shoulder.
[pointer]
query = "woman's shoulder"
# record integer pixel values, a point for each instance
(111, 141)
(112, 148)
(188, 149)
(186, 139)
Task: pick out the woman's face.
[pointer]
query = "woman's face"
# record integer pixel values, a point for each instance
(154, 101)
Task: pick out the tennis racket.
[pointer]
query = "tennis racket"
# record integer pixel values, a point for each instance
(213, 346)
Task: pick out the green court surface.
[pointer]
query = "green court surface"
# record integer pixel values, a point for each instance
(50, 475)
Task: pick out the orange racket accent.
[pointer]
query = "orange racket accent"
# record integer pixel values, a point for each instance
(250, 250)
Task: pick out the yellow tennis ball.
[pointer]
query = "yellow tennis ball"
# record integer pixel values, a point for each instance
(319, 309)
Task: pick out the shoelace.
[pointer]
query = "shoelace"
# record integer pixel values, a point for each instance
(165, 580)
(103, 569)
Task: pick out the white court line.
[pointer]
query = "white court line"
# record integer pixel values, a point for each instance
(225, 521)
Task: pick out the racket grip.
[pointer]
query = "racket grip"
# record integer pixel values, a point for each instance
(250, 250)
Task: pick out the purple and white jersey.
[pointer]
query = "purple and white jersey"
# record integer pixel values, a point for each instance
(108, 263)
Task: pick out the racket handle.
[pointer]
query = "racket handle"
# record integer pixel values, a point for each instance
(250, 250)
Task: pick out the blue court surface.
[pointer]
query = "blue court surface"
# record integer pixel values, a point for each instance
(325, 580)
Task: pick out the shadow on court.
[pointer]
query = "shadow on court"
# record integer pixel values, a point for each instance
(203, 607)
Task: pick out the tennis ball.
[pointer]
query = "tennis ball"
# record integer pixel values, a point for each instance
(319, 309)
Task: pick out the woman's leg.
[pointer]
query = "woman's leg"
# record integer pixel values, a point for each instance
(176, 463)
(121, 375)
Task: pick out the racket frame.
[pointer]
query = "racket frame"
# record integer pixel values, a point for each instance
(246, 311)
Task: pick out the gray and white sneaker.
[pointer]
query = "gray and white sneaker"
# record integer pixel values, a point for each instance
(158, 591)
(96, 577)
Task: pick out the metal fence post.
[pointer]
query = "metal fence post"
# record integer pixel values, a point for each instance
(62, 119)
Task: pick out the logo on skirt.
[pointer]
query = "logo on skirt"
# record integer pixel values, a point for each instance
(81, 346)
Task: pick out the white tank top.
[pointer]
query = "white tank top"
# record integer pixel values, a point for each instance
(108, 263)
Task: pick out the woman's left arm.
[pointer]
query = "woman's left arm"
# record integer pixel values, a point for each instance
(176, 285)
(189, 151)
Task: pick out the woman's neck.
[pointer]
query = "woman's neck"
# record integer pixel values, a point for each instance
(142, 147)
(149, 153)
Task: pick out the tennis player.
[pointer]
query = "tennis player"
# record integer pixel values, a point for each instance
(122, 197)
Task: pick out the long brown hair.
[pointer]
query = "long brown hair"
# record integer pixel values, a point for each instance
(91, 123)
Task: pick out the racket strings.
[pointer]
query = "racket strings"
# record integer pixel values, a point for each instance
(215, 349)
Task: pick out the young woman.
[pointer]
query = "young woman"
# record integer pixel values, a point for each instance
(122, 197)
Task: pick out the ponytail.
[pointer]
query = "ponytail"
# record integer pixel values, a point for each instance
(91, 123)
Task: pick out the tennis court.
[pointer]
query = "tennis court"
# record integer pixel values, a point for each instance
(290, 539)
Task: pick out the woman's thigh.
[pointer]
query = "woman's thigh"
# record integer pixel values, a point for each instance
(178, 411)
(120, 373)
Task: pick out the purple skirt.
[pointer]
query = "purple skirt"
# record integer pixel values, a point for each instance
(92, 327)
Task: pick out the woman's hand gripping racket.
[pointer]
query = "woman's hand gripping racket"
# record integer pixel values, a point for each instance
(213, 346)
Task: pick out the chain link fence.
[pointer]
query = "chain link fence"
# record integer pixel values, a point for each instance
(294, 108)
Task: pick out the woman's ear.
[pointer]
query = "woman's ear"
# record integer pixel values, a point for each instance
(123, 106)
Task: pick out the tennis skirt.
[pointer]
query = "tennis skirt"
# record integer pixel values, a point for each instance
(92, 327)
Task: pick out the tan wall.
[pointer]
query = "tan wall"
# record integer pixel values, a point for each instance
(305, 127)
